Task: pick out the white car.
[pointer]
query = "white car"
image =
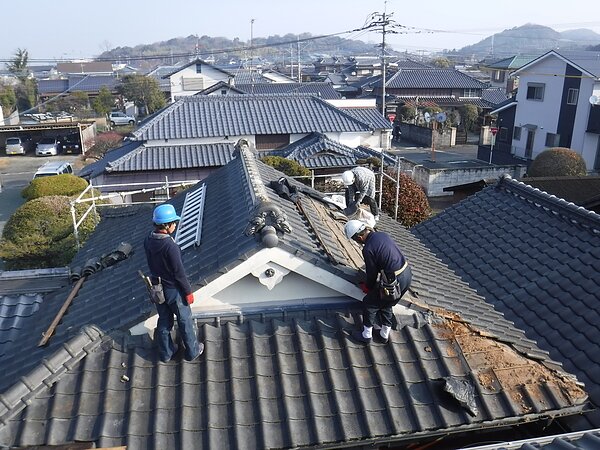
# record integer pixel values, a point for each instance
(47, 146)
(119, 118)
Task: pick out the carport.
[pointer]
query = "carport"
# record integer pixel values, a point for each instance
(86, 131)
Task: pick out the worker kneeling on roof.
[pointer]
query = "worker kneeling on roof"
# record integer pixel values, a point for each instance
(360, 188)
(166, 266)
(388, 278)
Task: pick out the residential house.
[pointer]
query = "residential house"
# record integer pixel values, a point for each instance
(267, 121)
(535, 258)
(320, 89)
(194, 77)
(276, 300)
(552, 107)
(446, 87)
(88, 83)
(500, 71)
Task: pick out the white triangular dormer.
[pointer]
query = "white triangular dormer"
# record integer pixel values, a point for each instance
(270, 276)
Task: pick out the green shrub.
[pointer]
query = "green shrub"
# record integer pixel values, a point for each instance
(290, 167)
(557, 162)
(413, 206)
(40, 234)
(65, 184)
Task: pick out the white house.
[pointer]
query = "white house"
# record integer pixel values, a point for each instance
(194, 77)
(554, 108)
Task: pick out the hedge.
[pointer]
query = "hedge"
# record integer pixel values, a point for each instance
(558, 162)
(65, 184)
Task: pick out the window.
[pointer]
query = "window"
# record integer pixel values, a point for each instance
(471, 93)
(498, 76)
(517, 134)
(535, 91)
(552, 140)
(572, 95)
(271, 141)
(198, 68)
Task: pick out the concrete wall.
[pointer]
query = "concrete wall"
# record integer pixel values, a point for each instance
(422, 135)
(433, 181)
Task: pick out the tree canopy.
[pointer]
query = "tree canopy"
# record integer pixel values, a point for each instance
(40, 234)
(557, 162)
(413, 206)
(65, 184)
(143, 91)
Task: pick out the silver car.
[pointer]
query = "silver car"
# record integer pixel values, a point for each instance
(119, 118)
(47, 146)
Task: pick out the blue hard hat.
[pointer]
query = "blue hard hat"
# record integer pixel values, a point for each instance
(164, 214)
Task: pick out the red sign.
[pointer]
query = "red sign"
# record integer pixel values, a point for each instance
(494, 130)
(392, 117)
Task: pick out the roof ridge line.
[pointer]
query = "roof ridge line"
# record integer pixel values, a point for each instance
(583, 216)
(163, 113)
(18, 396)
(127, 156)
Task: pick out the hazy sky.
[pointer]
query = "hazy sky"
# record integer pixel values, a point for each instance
(76, 29)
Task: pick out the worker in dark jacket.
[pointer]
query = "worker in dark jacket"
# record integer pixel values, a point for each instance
(388, 277)
(164, 261)
(360, 188)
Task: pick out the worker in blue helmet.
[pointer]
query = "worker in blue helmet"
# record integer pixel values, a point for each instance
(165, 263)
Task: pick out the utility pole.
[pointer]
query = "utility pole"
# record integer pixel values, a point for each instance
(251, 39)
(299, 69)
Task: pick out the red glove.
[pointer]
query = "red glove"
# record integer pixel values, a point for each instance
(189, 299)
(363, 286)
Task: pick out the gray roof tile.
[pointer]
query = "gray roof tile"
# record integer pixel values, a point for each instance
(548, 280)
(432, 79)
(321, 90)
(242, 115)
(281, 379)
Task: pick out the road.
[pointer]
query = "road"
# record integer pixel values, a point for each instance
(15, 173)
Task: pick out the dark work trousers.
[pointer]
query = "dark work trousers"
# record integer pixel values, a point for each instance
(379, 311)
(365, 201)
(175, 305)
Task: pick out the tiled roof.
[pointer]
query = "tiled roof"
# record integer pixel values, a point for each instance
(98, 167)
(514, 62)
(322, 90)
(372, 116)
(432, 79)
(494, 96)
(317, 151)
(535, 258)
(279, 379)
(579, 440)
(443, 100)
(242, 115)
(169, 157)
(85, 83)
(579, 190)
(247, 76)
(15, 314)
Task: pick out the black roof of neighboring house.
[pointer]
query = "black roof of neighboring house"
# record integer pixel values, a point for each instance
(432, 79)
(580, 190)
(320, 89)
(275, 378)
(535, 257)
(372, 116)
(317, 151)
(98, 167)
(494, 96)
(245, 114)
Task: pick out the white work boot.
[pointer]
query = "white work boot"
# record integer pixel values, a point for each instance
(367, 332)
(365, 336)
(385, 333)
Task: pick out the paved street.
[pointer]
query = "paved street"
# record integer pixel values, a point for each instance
(15, 173)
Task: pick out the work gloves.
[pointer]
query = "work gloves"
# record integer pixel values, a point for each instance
(189, 298)
(363, 286)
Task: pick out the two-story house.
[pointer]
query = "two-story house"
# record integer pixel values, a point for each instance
(194, 77)
(553, 106)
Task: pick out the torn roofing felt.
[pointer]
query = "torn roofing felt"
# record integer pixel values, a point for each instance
(466, 336)
(535, 258)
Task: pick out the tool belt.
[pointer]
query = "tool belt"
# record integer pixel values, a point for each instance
(401, 269)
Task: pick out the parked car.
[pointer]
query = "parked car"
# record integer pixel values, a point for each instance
(17, 145)
(53, 168)
(120, 118)
(71, 144)
(47, 146)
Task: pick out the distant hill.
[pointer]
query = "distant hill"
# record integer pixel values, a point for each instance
(222, 50)
(531, 39)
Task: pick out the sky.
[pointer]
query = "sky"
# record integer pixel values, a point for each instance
(68, 29)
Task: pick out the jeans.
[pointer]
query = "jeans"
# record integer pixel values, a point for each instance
(378, 311)
(175, 305)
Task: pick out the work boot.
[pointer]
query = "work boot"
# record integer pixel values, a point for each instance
(365, 336)
(201, 350)
(384, 333)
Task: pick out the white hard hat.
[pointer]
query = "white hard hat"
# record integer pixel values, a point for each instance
(348, 177)
(354, 226)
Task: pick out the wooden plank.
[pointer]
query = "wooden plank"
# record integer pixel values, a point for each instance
(50, 331)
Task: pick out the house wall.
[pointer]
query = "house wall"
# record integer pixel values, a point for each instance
(422, 135)
(209, 75)
(433, 181)
(552, 115)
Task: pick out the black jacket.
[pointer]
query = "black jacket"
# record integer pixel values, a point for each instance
(164, 261)
(381, 253)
